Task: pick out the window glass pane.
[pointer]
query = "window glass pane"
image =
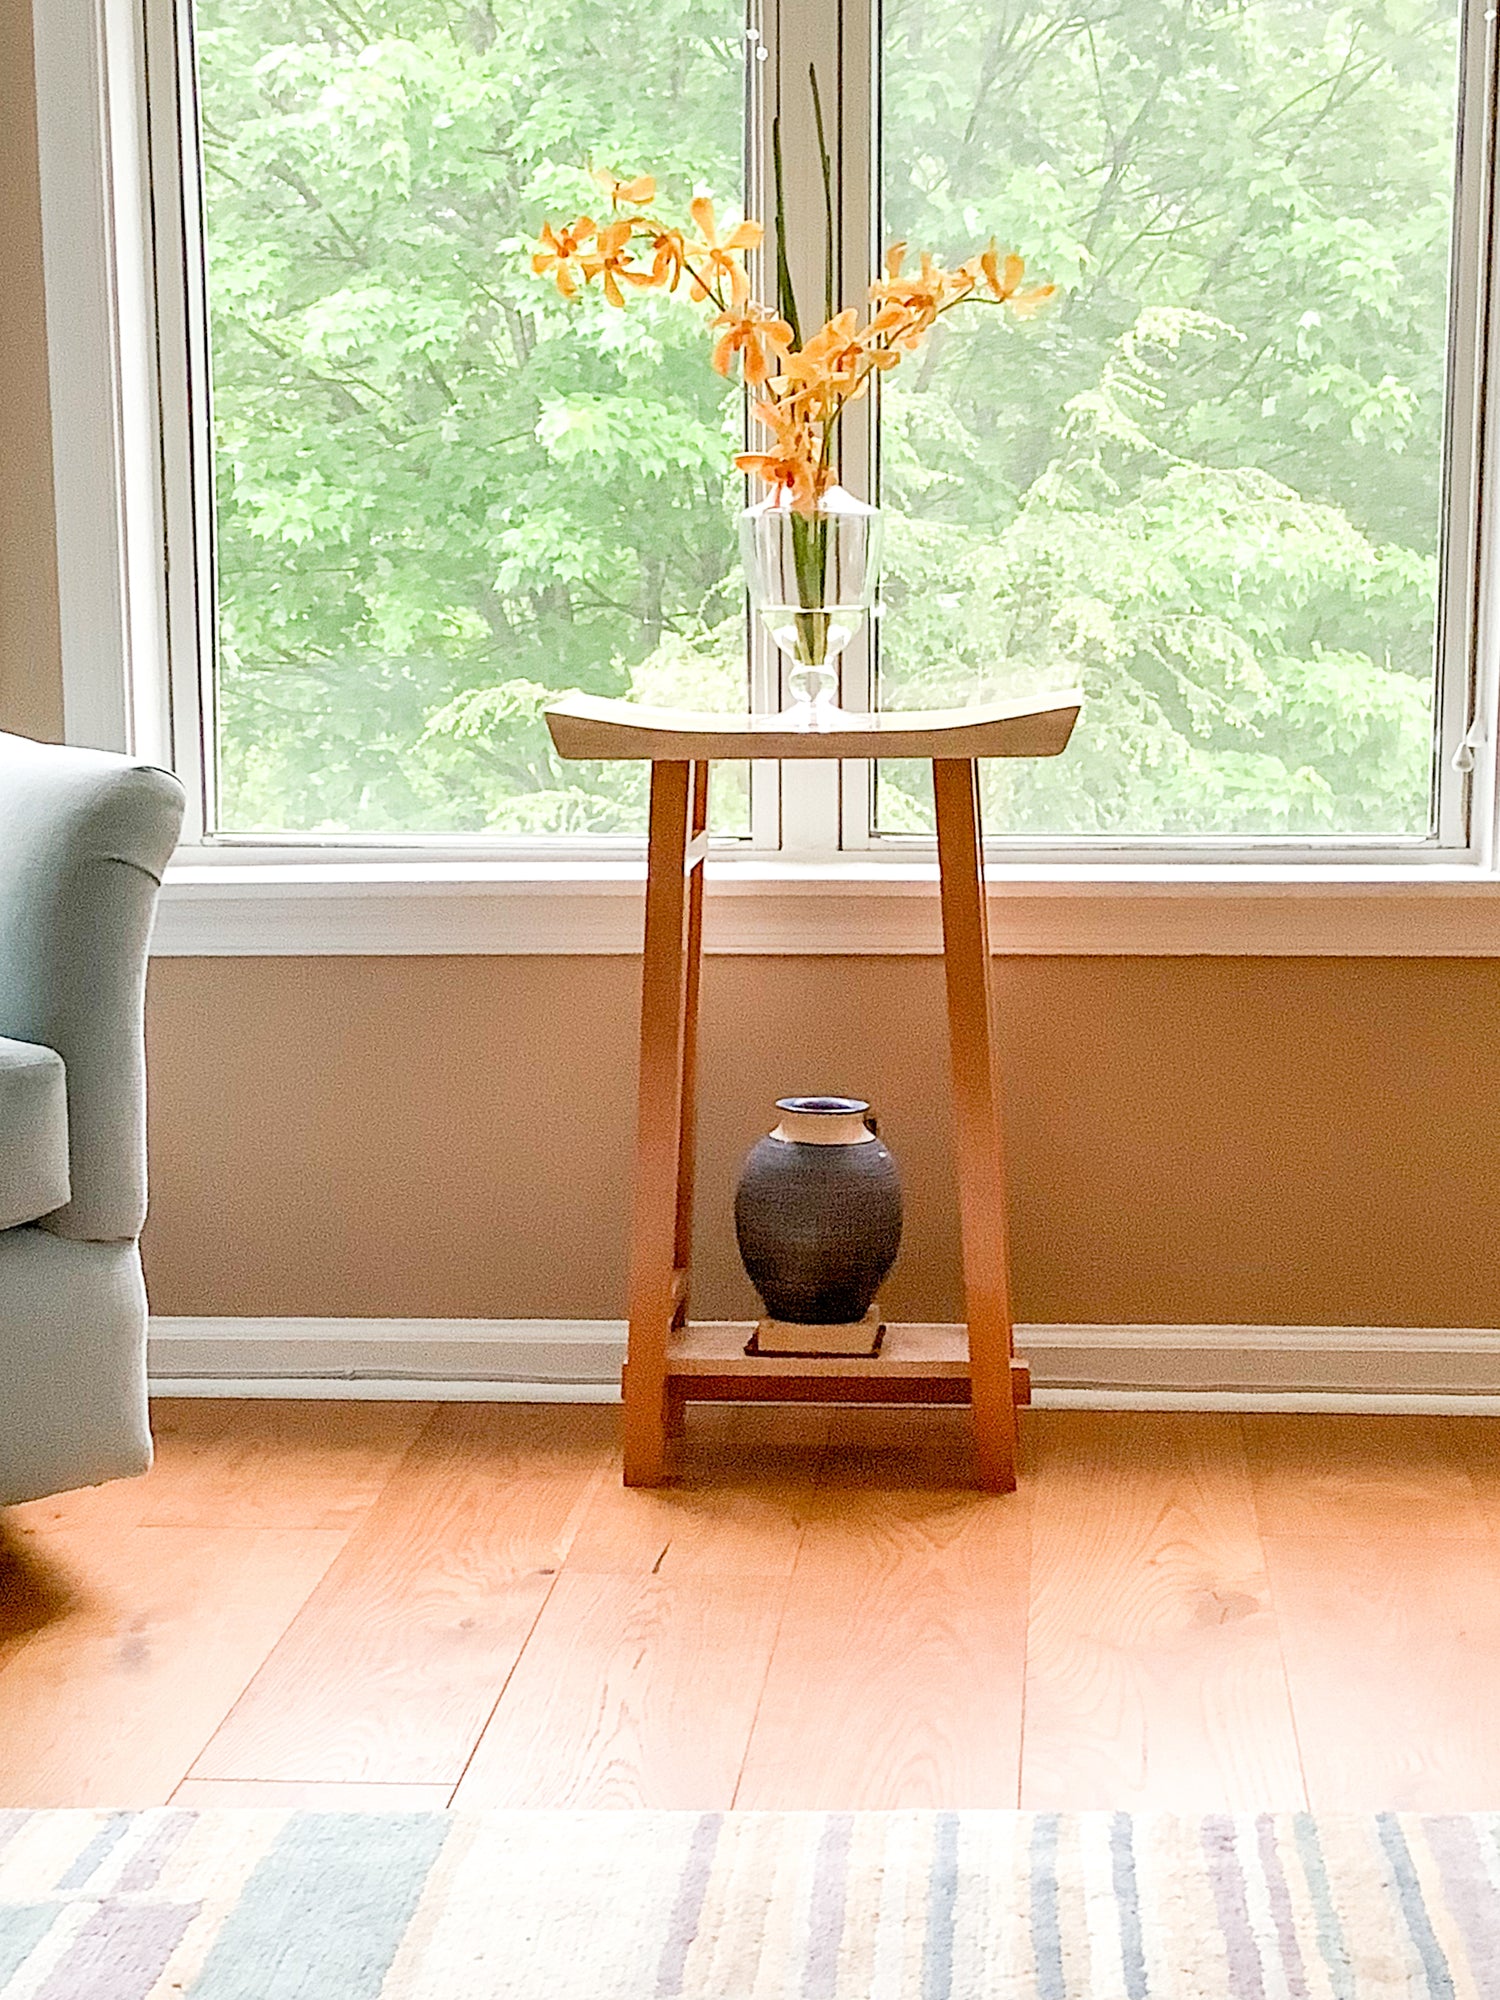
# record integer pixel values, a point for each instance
(1209, 483)
(442, 494)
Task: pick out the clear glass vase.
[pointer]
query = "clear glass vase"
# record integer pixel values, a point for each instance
(812, 580)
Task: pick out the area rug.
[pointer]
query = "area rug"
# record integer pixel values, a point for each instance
(273, 1905)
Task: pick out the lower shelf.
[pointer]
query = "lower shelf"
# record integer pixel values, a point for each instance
(707, 1362)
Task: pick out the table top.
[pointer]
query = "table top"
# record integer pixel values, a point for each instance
(1034, 726)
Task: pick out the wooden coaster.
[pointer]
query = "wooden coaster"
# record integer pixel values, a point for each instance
(856, 1339)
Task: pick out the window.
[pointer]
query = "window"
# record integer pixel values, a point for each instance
(440, 494)
(1230, 483)
(1214, 481)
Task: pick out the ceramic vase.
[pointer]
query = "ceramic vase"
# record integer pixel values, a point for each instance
(818, 1212)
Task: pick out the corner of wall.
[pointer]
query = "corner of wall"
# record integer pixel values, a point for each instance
(30, 646)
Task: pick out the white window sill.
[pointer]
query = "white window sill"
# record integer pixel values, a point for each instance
(222, 907)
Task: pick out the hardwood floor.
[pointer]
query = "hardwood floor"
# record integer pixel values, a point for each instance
(374, 1603)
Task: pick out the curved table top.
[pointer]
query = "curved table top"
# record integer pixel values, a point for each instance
(1034, 726)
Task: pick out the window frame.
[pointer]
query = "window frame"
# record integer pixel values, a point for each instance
(127, 348)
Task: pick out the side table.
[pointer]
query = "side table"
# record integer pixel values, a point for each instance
(672, 1360)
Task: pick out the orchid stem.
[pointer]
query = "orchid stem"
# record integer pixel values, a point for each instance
(786, 298)
(827, 165)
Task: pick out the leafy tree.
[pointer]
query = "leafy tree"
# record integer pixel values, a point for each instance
(1209, 483)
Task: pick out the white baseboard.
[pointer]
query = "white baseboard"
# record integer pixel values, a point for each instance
(1328, 1368)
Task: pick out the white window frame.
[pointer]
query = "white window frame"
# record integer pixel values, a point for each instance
(136, 650)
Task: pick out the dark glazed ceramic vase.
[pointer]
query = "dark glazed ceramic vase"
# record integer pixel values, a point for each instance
(818, 1212)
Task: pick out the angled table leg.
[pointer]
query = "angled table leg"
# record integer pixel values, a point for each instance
(687, 1147)
(976, 1119)
(664, 1147)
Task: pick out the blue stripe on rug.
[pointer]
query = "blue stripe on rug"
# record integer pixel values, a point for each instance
(22, 1928)
(1128, 1903)
(1414, 1908)
(942, 1898)
(104, 1842)
(323, 1914)
(1046, 1908)
(1279, 1896)
(1335, 1952)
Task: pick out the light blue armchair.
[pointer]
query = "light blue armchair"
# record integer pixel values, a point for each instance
(84, 838)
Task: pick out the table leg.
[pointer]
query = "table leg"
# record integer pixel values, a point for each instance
(976, 1118)
(668, 994)
(688, 1138)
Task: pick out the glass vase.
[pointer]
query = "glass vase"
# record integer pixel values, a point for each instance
(812, 578)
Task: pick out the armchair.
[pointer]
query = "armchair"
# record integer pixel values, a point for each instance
(84, 839)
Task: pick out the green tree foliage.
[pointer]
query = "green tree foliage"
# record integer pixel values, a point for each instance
(1207, 484)
(442, 495)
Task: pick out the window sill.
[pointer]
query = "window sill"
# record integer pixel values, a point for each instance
(222, 908)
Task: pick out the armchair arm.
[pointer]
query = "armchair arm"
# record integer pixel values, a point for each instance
(84, 840)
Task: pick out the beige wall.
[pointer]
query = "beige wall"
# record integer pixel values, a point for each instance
(1304, 1141)
(1282, 1140)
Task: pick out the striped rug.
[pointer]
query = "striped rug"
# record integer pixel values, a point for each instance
(254, 1905)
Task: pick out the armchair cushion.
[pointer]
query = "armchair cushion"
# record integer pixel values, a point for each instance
(84, 838)
(33, 1132)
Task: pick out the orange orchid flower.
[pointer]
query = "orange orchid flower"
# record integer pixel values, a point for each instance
(669, 258)
(1002, 279)
(754, 333)
(608, 262)
(1004, 282)
(718, 255)
(922, 293)
(634, 194)
(559, 253)
(829, 364)
(891, 330)
(794, 466)
(803, 390)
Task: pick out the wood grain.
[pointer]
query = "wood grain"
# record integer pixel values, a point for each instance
(1368, 1476)
(898, 1674)
(309, 1464)
(668, 982)
(1392, 1648)
(1154, 1676)
(892, 1687)
(745, 1484)
(979, 1149)
(183, 1428)
(820, 1611)
(389, 1672)
(110, 1704)
(635, 1692)
(592, 726)
(717, 1347)
(892, 1448)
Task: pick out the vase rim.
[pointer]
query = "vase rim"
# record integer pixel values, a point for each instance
(824, 1107)
(835, 500)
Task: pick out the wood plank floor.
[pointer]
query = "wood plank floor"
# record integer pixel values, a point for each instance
(374, 1603)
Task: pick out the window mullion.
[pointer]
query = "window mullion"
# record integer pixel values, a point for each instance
(801, 34)
(184, 443)
(1466, 668)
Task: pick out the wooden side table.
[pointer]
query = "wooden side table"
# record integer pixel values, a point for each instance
(672, 1360)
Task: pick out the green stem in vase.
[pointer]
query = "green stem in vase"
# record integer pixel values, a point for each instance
(810, 559)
